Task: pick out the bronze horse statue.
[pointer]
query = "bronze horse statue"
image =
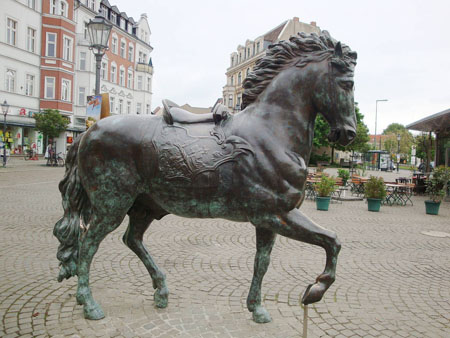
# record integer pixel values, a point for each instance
(247, 167)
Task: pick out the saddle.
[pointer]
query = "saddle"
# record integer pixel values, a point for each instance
(173, 113)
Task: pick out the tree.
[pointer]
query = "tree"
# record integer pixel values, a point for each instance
(394, 128)
(360, 143)
(391, 143)
(51, 123)
(425, 148)
(321, 131)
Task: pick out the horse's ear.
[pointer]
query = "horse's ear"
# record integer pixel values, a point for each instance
(338, 49)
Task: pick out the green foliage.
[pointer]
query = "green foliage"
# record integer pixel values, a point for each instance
(321, 131)
(326, 186)
(344, 174)
(394, 128)
(51, 123)
(424, 145)
(360, 143)
(374, 188)
(406, 141)
(437, 183)
(315, 158)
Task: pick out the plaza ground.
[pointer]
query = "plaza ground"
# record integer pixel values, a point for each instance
(392, 279)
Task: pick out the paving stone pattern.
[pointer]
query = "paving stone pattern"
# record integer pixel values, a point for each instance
(392, 280)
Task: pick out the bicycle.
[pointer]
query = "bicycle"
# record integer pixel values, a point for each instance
(56, 160)
(29, 155)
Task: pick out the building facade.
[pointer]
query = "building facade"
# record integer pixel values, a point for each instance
(20, 50)
(243, 60)
(46, 63)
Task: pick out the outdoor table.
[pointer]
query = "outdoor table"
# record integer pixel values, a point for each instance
(399, 194)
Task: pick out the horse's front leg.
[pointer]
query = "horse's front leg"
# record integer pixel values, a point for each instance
(264, 244)
(297, 226)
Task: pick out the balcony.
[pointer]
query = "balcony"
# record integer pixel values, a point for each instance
(143, 67)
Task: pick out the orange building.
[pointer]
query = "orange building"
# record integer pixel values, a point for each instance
(57, 56)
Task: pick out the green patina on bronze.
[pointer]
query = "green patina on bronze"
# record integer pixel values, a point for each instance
(249, 167)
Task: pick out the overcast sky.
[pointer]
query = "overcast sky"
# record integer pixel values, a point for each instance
(403, 48)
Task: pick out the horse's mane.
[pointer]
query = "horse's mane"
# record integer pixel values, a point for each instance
(301, 50)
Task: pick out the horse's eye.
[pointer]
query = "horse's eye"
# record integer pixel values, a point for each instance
(346, 84)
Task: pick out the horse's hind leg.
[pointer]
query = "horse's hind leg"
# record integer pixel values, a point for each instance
(140, 220)
(100, 225)
(264, 244)
(297, 226)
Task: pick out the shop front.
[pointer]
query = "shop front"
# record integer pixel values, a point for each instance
(21, 135)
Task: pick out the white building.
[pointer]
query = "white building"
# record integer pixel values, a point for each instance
(20, 50)
(126, 72)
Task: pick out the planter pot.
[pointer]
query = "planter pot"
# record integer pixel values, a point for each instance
(374, 204)
(323, 203)
(432, 208)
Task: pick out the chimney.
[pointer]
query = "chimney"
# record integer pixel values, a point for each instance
(144, 16)
(313, 23)
(296, 19)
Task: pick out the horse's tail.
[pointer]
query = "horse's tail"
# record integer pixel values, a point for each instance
(76, 207)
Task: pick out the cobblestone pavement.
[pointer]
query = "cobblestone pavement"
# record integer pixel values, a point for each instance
(392, 280)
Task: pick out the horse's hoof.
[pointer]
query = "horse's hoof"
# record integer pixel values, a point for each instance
(313, 293)
(94, 312)
(161, 297)
(260, 315)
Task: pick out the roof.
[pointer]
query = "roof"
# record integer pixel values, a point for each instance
(115, 9)
(196, 110)
(435, 122)
(106, 3)
(273, 34)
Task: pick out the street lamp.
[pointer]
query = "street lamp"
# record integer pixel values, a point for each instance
(398, 151)
(99, 30)
(5, 108)
(376, 117)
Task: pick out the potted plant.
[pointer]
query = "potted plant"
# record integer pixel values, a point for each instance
(324, 188)
(375, 192)
(436, 187)
(345, 175)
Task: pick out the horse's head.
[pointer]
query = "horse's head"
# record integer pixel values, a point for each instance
(333, 94)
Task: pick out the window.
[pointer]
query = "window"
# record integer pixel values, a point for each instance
(149, 84)
(144, 58)
(53, 7)
(130, 53)
(31, 39)
(82, 60)
(32, 3)
(122, 77)
(67, 51)
(128, 107)
(238, 104)
(85, 31)
(122, 23)
(138, 108)
(147, 109)
(51, 44)
(120, 106)
(230, 101)
(49, 87)
(63, 8)
(257, 47)
(112, 104)
(232, 80)
(93, 5)
(122, 49)
(140, 57)
(130, 79)
(113, 73)
(248, 53)
(11, 31)
(10, 81)
(104, 70)
(82, 96)
(65, 90)
(239, 78)
(139, 82)
(29, 85)
(114, 18)
(247, 72)
(114, 45)
(240, 57)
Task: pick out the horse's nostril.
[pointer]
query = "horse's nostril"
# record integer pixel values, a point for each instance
(351, 134)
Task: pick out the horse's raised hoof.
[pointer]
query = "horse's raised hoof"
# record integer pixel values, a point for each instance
(93, 312)
(260, 315)
(314, 293)
(161, 297)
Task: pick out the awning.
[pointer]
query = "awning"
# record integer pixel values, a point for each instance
(435, 122)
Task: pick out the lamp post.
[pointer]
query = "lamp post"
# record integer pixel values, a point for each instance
(5, 108)
(398, 151)
(376, 117)
(99, 30)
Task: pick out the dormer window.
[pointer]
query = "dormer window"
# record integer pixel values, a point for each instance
(114, 18)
